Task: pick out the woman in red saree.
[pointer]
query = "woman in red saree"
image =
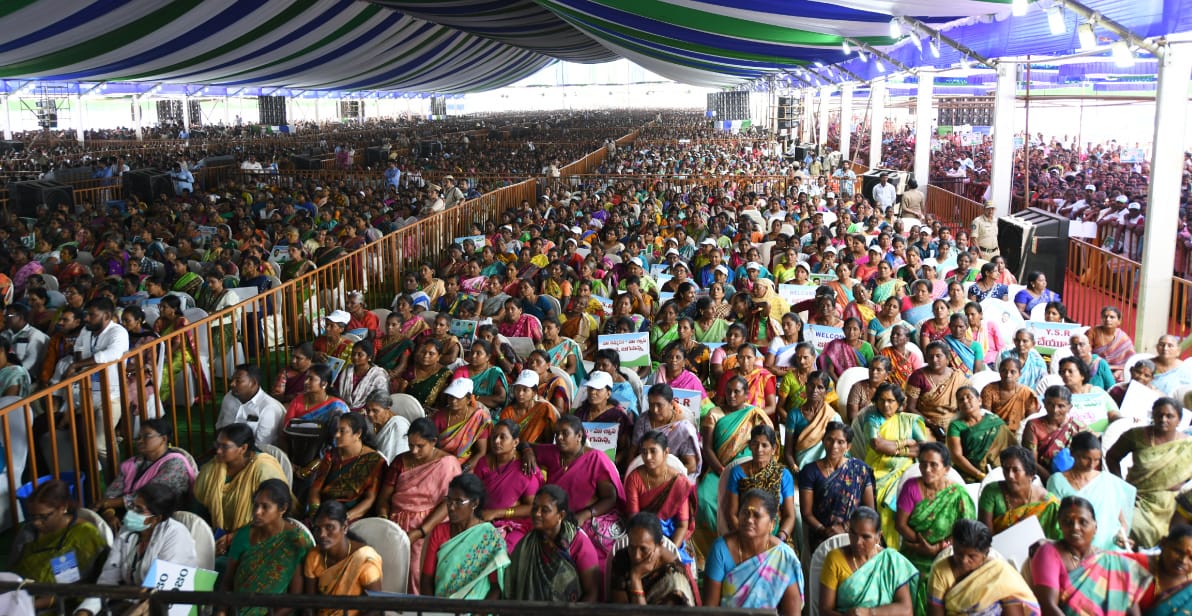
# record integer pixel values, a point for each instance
(664, 491)
(1049, 435)
(1110, 342)
(763, 387)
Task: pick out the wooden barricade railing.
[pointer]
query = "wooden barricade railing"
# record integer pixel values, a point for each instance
(950, 208)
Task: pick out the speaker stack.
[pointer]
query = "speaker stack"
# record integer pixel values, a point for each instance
(272, 110)
(195, 110)
(147, 184)
(47, 113)
(24, 197)
(169, 112)
(1035, 239)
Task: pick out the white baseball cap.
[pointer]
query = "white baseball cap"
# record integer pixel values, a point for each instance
(1122, 199)
(830, 195)
(459, 388)
(708, 242)
(339, 316)
(753, 265)
(672, 251)
(1090, 187)
(599, 380)
(527, 378)
(1134, 206)
(638, 262)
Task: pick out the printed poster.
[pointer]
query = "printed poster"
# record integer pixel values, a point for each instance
(821, 335)
(634, 349)
(690, 400)
(167, 576)
(601, 437)
(1052, 336)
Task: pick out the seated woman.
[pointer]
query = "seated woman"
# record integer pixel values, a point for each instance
(490, 385)
(341, 564)
(556, 561)
(535, 417)
(1171, 592)
(156, 462)
(966, 354)
(510, 489)
(931, 390)
(265, 556)
(863, 577)
(928, 506)
(53, 533)
(465, 555)
(225, 485)
(850, 351)
(903, 362)
(655, 487)
(1032, 367)
(389, 430)
(564, 352)
(291, 383)
(1110, 341)
(975, 438)
(316, 405)
(1161, 453)
(1007, 398)
(414, 487)
(361, 377)
(590, 479)
(647, 574)
(969, 581)
(351, 471)
(762, 389)
(551, 387)
(1049, 435)
(463, 425)
(792, 390)
(805, 426)
(764, 472)
(1090, 404)
(514, 323)
(1070, 576)
(148, 533)
(424, 377)
(862, 392)
(1143, 373)
(751, 568)
(833, 487)
(888, 440)
(1112, 497)
(332, 342)
(1003, 504)
(1171, 372)
(664, 415)
(673, 371)
(599, 406)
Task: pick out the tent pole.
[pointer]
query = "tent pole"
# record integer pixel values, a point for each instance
(79, 122)
(7, 117)
(846, 120)
(923, 113)
(825, 95)
(877, 122)
(1001, 178)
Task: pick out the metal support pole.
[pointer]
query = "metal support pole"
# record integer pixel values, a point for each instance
(806, 120)
(136, 113)
(846, 120)
(1163, 207)
(227, 109)
(186, 113)
(79, 121)
(825, 95)
(877, 121)
(923, 115)
(1001, 179)
(7, 117)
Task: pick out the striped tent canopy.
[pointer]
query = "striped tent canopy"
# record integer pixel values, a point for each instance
(453, 46)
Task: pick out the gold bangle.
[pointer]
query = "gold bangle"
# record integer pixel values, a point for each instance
(509, 512)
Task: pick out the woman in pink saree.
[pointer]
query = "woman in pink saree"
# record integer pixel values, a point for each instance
(510, 489)
(414, 488)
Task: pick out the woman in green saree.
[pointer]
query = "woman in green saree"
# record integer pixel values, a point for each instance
(708, 326)
(490, 384)
(975, 437)
(928, 506)
(864, 577)
(1003, 504)
(1161, 453)
(665, 329)
(264, 556)
(465, 557)
(52, 531)
(888, 440)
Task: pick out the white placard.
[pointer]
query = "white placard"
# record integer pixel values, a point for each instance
(634, 349)
(690, 400)
(821, 335)
(603, 437)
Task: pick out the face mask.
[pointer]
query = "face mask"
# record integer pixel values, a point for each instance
(136, 522)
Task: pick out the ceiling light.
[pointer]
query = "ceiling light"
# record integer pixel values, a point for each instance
(918, 43)
(964, 63)
(1088, 38)
(1056, 21)
(1018, 8)
(1123, 56)
(881, 68)
(861, 54)
(934, 45)
(844, 46)
(895, 29)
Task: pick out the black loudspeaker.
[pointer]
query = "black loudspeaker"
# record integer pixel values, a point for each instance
(309, 161)
(426, 148)
(1035, 239)
(24, 197)
(226, 160)
(272, 110)
(803, 149)
(375, 155)
(169, 112)
(11, 146)
(195, 111)
(148, 184)
(872, 178)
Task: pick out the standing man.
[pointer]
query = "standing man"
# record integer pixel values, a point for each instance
(984, 233)
(884, 193)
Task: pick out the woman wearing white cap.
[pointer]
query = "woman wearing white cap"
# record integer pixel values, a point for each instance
(535, 417)
(332, 343)
(601, 407)
(463, 425)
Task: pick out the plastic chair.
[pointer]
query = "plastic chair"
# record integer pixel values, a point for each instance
(284, 460)
(979, 380)
(913, 472)
(382, 315)
(1114, 432)
(672, 461)
(200, 531)
(1039, 312)
(1134, 359)
(98, 522)
(845, 384)
(305, 530)
(1059, 354)
(817, 567)
(555, 306)
(391, 542)
(405, 405)
(1022, 426)
(568, 382)
(51, 282)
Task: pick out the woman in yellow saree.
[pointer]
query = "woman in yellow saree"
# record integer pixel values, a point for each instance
(1161, 454)
(971, 581)
(888, 440)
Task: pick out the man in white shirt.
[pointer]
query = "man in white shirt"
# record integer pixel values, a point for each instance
(251, 165)
(26, 341)
(884, 193)
(247, 403)
(102, 341)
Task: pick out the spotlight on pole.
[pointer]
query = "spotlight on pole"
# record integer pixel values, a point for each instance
(1055, 20)
(1123, 56)
(895, 28)
(1088, 38)
(844, 46)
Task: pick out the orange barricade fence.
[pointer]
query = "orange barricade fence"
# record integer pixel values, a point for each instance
(85, 423)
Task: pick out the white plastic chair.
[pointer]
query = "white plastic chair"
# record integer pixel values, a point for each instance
(382, 315)
(1059, 354)
(1022, 425)
(405, 405)
(200, 531)
(1134, 359)
(568, 382)
(287, 467)
(1039, 312)
(980, 379)
(845, 384)
(817, 567)
(391, 542)
(105, 531)
(51, 282)
(913, 472)
(672, 461)
(303, 528)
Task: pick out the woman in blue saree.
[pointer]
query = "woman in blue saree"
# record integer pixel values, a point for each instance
(966, 354)
(751, 568)
(1171, 592)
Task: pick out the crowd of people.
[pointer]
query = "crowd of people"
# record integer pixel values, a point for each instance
(675, 386)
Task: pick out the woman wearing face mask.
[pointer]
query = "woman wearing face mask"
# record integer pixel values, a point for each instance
(266, 555)
(148, 533)
(863, 577)
(53, 530)
(971, 581)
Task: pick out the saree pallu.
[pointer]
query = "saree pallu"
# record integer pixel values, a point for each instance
(341, 349)
(1156, 469)
(714, 333)
(901, 365)
(459, 438)
(982, 592)
(538, 574)
(769, 479)
(1112, 498)
(613, 414)
(836, 496)
(579, 326)
(525, 327)
(346, 578)
(188, 283)
(427, 391)
(1174, 602)
(579, 481)
(876, 582)
(681, 437)
(1105, 583)
(229, 502)
(659, 339)
(809, 433)
(421, 489)
(81, 538)
(298, 412)
(1012, 407)
(730, 439)
(981, 443)
(536, 422)
(887, 470)
(505, 487)
(964, 356)
(390, 353)
(268, 566)
(670, 501)
(933, 520)
(568, 348)
(937, 401)
(1047, 445)
(759, 381)
(839, 356)
(551, 387)
(174, 458)
(485, 383)
(347, 480)
(1033, 369)
(1047, 511)
(1116, 350)
(886, 290)
(761, 581)
(467, 560)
